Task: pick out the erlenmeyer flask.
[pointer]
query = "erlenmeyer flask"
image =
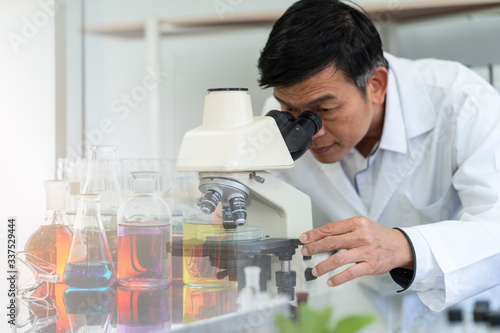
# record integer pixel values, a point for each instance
(102, 179)
(144, 236)
(89, 264)
(52, 241)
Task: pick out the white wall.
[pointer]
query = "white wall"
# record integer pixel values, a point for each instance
(27, 118)
(116, 66)
(470, 39)
(27, 111)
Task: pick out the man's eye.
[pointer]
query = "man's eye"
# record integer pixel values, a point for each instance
(328, 110)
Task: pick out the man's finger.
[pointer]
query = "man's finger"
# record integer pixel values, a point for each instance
(330, 229)
(329, 243)
(338, 260)
(349, 274)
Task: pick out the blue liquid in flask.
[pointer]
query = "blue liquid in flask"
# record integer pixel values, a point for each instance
(91, 275)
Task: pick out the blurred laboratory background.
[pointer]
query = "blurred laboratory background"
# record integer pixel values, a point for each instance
(134, 73)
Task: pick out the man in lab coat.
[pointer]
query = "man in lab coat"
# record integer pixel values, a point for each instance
(407, 163)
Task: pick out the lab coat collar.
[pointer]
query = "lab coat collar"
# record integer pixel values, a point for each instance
(410, 104)
(415, 104)
(394, 133)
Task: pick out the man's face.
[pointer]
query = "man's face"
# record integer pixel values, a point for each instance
(348, 117)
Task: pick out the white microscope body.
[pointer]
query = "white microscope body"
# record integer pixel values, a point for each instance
(232, 144)
(231, 151)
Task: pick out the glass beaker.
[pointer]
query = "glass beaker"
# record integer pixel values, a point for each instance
(144, 236)
(89, 264)
(210, 252)
(181, 197)
(52, 241)
(102, 179)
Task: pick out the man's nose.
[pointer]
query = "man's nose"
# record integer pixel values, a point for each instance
(321, 132)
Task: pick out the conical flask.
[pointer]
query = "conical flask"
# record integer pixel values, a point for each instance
(52, 241)
(144, 236)
(102, 179)
(89, 264)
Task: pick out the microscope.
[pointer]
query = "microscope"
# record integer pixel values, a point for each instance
(232, 151)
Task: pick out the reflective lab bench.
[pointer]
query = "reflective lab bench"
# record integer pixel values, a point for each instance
(180, 308)
(176, 308)
(183, 308)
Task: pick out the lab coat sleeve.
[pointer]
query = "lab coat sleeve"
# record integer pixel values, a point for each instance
(428, 279)
(457, 259)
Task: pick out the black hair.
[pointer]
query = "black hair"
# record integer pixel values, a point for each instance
(315, 34)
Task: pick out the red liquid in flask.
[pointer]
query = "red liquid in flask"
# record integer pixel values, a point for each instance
(52, 243)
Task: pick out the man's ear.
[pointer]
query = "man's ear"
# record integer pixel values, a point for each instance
(377, 85)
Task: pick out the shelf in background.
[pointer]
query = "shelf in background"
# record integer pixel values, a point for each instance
(395, 11)
(403, 12)
(172, 27)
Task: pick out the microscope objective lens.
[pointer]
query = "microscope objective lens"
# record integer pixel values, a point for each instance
(238, 209)
(210, 200)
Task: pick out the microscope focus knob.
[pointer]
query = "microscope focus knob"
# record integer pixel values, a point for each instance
(309, 275)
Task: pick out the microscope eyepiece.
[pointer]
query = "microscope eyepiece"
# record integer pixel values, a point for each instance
(282, 118)
(297, 132)
(310, 122)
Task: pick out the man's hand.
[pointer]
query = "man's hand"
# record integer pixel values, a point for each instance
(373, 248)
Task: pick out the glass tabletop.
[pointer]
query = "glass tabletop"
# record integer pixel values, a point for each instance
(207, 280)
(177, 308)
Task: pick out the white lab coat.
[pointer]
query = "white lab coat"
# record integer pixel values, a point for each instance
(439, 180)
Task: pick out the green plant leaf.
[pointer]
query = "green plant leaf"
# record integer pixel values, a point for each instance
(352, 324)
(309, 321)
(314, 321)
(286, 324)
